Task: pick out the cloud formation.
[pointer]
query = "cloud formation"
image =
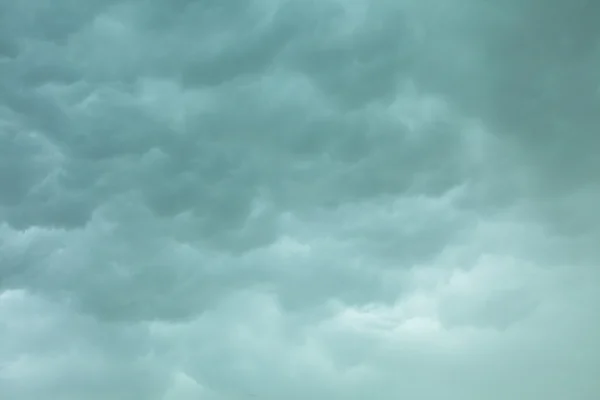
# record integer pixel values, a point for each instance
(285, 199)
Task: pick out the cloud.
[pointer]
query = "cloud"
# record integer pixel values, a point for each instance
(298, 199)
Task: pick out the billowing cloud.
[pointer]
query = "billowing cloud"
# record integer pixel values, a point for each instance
(285, 199)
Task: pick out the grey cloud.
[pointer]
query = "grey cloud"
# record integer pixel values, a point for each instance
(292, 199)
(69, 355)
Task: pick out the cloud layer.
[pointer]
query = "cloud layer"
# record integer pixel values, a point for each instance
(285, 199)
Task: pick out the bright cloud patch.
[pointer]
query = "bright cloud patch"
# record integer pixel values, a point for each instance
(274, 199)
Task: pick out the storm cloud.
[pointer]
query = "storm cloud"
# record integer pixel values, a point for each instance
(292, 199)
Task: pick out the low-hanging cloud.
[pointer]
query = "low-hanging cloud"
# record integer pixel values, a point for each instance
(299, 199)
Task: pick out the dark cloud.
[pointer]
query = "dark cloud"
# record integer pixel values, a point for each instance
(269, 199)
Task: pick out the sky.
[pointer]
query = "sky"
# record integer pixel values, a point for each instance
(299, 199)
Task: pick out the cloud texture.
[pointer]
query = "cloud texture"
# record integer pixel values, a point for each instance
(294, 199)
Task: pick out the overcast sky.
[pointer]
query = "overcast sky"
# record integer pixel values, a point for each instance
(299, 199)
